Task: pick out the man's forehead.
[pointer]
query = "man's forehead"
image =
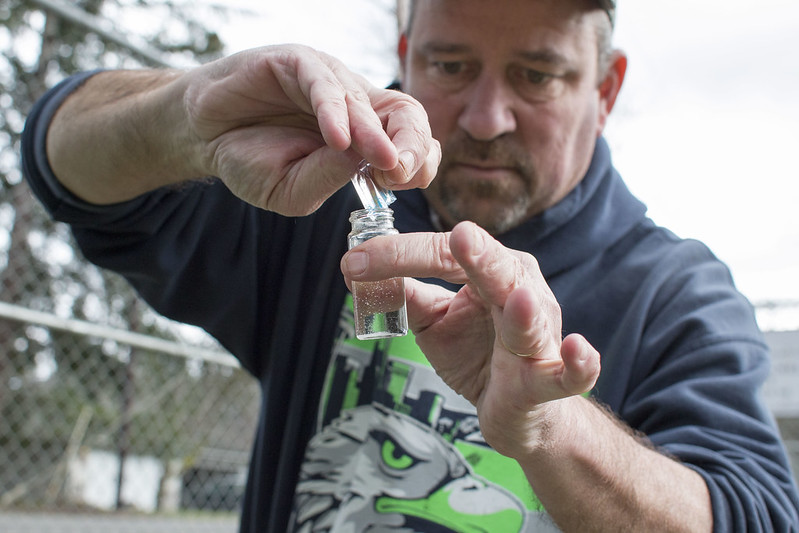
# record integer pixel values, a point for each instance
(517, 25)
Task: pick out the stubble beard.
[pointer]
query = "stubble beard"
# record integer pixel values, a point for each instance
(497, 205)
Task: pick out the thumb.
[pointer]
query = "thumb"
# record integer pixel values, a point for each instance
(581, 362)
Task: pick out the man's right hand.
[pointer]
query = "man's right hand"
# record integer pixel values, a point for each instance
(282, 126)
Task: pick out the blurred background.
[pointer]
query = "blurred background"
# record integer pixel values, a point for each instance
(115, 419)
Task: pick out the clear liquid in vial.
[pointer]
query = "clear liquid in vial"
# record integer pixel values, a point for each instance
(380, 309)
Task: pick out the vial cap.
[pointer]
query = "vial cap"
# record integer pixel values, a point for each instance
(372, 196)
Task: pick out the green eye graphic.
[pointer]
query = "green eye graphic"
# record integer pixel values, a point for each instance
(392, 454)
(395, 457)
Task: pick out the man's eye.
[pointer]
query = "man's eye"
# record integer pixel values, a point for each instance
(449, 67)
(536, 77)
(536, 85)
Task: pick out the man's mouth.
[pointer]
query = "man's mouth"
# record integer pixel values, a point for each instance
(480, 170)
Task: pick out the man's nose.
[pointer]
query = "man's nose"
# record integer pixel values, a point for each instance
(489, 111)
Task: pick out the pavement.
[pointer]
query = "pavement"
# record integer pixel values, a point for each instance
(16, 522)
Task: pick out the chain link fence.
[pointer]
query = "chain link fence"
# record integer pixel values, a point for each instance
(92, 424)
(111, 417)
(97, 424)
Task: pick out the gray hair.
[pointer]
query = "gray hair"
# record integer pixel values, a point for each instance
(406, 9)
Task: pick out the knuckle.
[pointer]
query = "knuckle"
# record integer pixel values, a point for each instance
(443, 254)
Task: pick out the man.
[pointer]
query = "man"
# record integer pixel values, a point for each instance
(535, 260)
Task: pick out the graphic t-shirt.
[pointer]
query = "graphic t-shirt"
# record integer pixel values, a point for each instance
(395, 447)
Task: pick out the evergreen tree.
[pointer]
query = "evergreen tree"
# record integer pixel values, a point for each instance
(42, 370)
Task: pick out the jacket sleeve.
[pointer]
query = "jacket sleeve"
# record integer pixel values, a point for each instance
(695, 391)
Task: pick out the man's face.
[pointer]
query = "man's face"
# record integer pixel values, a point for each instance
(511, 89)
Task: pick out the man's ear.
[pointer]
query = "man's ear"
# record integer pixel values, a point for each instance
(402, 53)
(610, 87)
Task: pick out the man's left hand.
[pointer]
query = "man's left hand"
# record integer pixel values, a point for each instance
(497, 341)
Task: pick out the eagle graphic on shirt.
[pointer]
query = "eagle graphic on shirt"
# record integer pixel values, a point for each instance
(396, 450)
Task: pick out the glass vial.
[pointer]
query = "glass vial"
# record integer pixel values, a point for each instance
(379, 305)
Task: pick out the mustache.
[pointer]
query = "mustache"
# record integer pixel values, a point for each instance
(501, 150)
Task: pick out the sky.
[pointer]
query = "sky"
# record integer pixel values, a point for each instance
(705, 131)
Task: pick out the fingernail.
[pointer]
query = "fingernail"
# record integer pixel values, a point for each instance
(346, 129)
(356, 263)
(479, 242)
(408, 163)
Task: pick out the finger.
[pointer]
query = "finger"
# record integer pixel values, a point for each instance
(418, 177)
(368, 136)
(286, 170)
(329, 103)
(425, 303)
(348, 109)
(430, 167)
(525, 330)
(418, 255)
(495, 271)
(341, 104)
(581, 364)
(419, 154)
(369, 139)
(320, 88)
